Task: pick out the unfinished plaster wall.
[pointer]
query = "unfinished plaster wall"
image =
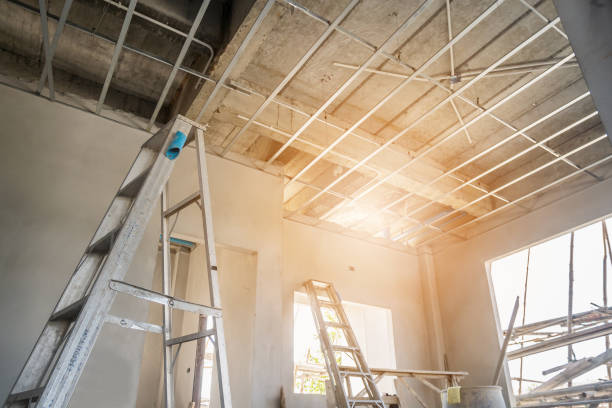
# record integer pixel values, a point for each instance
(59, 169)
(362, 273)
(467, 306)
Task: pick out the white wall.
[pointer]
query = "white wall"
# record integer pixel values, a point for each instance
(59, 168)
(380, 277)
(467, 307)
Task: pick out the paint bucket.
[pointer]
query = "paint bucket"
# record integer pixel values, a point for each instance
(474, 397)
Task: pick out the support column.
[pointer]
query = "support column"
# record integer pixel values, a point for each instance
(429, 286)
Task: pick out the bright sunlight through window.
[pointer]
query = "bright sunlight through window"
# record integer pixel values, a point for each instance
(540, 276)
(372, 326)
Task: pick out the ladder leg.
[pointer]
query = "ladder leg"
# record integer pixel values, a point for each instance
(167, 324)
(213, 275)
(196, 395)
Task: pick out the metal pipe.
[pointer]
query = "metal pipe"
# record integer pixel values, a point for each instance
(179, 61)
(522, 198)
(167, 27)
(456, 131)
(116, 52)
(48, 67)
(293, 72)
(262, 14)
(352, 78)
(440, 104)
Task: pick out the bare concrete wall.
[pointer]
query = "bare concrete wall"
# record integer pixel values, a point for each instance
(362, 273)
(467, 307)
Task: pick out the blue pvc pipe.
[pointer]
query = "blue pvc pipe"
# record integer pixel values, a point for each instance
(176, 145)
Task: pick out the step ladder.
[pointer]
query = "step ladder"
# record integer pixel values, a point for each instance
(51, 372)
(323, 296)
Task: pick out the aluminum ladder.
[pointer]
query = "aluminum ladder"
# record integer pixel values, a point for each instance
(51, 372)
(322, 296)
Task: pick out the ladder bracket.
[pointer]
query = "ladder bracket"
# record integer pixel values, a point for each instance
(162, 299)
(133, 324)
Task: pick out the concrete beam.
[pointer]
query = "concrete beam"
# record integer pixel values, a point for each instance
(587, 24)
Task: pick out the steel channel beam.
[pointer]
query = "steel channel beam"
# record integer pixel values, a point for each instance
(115, 58)
(440, 104)
(524, 176)
(522, 198)
(458, 130)
(264, 12)
(296, 68)
(179, 61)
(503, 163)
(48, 67)
(352, 78)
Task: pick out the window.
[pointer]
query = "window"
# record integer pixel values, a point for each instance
(540, 276)
(374, 331)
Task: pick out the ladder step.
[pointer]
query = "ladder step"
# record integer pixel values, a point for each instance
(70, 312)
(132, 188)
(25, 395)
(344, 348)
(187, 201)
(336, 324)
(328, 303)
(189, 337)
(353, 373)
(103, 245)
(357, 402)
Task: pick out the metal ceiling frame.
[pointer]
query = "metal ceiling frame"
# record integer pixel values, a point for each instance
(489, 149)
(550, 24)
(427, 150)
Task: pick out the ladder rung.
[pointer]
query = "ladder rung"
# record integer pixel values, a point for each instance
(189, 337)
(344, 348)
(104, 244)
(336, 324)
(328, 303)
(365, 402)
(70, 312)
(353, 373)
(132, 188)
(187, 201)
(25, 395)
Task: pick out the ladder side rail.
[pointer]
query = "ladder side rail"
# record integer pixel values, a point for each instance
(167, 311)
(48, 342)
(328, 353)
(368, 381)
(79, 344)
(213, 273)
